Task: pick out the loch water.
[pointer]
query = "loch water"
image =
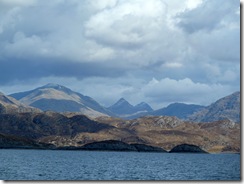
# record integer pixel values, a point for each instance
(101, 165)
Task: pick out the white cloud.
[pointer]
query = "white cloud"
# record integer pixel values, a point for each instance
(168, 90)
(172, 65)
(191, 4)
(128, 24)
(21, 42)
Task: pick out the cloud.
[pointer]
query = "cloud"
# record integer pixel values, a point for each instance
(116, 47)
(185, 90)
(7, 4)
(158, 93)
(35, 69)
(128, 25)
(207, 17)
(172, 65)
(221, 45)
(213, 32)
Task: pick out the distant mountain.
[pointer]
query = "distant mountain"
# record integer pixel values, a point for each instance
(179, 110)
(142, 107)
(11, 105)
(127, 111)
(224, 108)
(123, 108)
(58, 98)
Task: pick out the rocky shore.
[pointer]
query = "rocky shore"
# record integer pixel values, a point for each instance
(10, 142)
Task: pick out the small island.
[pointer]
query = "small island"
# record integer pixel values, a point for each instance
(187, 148)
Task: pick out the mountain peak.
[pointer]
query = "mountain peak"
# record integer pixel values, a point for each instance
(121, 102)
(52, 85)
(59, 98)
(121, 107)
(143, 106)
(57, 87)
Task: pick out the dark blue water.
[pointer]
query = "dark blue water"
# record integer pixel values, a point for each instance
(85, 165)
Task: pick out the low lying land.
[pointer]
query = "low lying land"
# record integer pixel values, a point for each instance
(49, 130)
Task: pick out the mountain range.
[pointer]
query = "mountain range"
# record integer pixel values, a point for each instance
(124, 109)
(49, 130)
(23, 126)
(57, 98)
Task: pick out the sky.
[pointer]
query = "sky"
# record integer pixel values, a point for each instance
(154, 51)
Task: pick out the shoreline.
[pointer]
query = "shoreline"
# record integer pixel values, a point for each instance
(59, 149)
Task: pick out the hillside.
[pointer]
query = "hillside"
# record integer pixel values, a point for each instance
(57, 130)
(180, 110)
(11, 105)
(37, 125)
(167, 132)
(225, 108)
(58, 98)
(22, 126)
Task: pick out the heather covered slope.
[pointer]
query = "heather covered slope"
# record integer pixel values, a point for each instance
(159, 131)
(167, 132)
(37, 125)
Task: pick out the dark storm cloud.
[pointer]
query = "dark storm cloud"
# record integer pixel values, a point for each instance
(21, 70)
(209, 15)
